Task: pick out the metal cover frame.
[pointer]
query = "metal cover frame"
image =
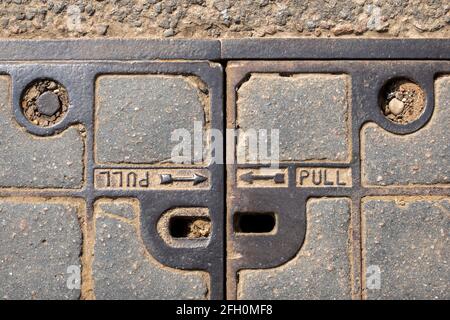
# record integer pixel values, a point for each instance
(367, 78)
(79, 78)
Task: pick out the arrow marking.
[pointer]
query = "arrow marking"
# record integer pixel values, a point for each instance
(169, 179)
(249, 177)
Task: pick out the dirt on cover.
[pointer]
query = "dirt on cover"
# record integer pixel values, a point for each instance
(223, 18)
(199, 228)
(30, 102)
(402, 101)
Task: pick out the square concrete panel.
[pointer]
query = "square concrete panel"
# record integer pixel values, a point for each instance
(41, 248)
(406, 247)
(310, 111)
(138, 116)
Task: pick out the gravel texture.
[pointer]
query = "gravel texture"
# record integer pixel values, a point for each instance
(223, 18)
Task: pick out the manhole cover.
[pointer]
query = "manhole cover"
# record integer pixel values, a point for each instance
(347, 186)
(239, 169)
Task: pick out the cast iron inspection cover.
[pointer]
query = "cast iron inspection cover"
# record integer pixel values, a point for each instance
(358, 204)
(95, 202)
(91, 204)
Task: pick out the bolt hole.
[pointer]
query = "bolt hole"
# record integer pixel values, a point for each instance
(189, 227)
(254, 222)
(45, 102)
(402, 100)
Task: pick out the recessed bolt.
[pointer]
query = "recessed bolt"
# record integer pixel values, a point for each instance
(48, 103)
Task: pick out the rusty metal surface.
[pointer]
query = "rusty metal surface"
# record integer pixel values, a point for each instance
(224, 49)
(110, 49)
(335, 49)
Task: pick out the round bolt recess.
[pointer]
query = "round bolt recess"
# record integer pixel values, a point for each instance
(45, 102)
(402, 100)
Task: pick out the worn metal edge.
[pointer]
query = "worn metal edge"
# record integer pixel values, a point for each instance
(110, 49)
(346, 48)
(224, 49)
